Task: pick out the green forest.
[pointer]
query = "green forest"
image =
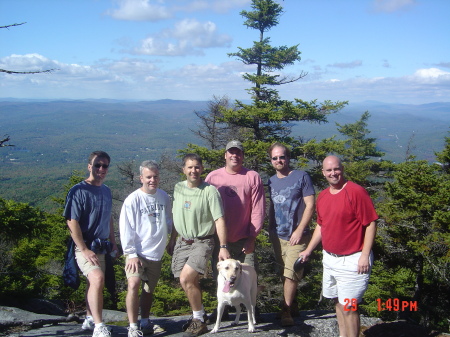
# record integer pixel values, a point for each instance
(411, 196)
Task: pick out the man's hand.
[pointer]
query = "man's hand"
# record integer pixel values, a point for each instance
(91, 257)
(363, 264)
(133, 265)
(295, 238)
(224, 254)
(305, 255)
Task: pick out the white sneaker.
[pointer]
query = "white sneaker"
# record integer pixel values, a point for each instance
(158, 329)
(134, 332)
(101, 331)
(88, 324)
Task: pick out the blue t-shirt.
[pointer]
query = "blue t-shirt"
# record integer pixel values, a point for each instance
(91, 206)
(287, 195)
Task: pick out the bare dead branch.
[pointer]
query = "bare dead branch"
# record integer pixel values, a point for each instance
(5, 140)
(27, 72)
(13, 25)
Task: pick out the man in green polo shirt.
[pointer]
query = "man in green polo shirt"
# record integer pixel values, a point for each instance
(197, 215)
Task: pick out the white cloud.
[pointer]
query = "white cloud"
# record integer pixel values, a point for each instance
(139, 10)
(136, 78)
(431, 73)
(390, 6)
(151, 10)
(188, 37)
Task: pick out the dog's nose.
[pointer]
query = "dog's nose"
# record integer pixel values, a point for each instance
(232, 278)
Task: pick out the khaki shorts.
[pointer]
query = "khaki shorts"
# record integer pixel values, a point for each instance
(289, 254)
(149, 271)
(196, 255)
(85, 266)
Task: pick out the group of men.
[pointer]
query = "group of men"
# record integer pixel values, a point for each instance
(216, 219)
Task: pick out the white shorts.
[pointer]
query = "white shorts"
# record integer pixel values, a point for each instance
(341, 279)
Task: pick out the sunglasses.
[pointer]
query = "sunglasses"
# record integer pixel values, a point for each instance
(101, 165)
(279, 158)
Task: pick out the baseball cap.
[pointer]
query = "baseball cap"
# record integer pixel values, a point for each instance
(235, 143)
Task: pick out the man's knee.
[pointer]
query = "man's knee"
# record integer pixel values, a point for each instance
(134, 283)
(96, 278)
(188, 276)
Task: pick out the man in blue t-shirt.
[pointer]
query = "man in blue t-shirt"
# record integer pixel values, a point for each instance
(88, 214)
(291, 209)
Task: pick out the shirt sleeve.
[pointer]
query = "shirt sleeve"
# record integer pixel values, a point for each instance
(127, 226)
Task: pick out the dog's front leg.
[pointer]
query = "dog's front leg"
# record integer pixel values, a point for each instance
(238, 314)
(251, 317)
(220, 310)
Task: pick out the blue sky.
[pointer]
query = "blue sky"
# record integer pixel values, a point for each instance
(395, 51)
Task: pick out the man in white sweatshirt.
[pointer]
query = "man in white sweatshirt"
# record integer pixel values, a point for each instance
(145, 223)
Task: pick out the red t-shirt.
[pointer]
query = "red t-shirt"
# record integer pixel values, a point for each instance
(344, 217)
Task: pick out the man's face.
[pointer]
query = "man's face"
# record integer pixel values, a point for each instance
(234, 159)
(193, 169)
(149, 180)
(280, 161)
(333, 171)
(98, 168)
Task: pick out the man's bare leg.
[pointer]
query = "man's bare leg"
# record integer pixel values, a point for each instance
(94, 298)
(348, 321)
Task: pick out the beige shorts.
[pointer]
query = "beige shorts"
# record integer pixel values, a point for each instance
(289, 254)
(196, 255)
(149, 271)
(85, 266)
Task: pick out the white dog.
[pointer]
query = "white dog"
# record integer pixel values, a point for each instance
(236, 284)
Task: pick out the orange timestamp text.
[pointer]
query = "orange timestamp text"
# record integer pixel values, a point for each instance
(395, 304)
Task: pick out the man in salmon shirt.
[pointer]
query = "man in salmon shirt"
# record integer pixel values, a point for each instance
(242, 193)
(347, 228)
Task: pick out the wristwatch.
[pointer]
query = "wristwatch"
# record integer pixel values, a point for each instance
(223, 246)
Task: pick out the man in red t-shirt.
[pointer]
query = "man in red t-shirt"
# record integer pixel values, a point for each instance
(346, 227)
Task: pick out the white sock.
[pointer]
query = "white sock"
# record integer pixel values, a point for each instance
(199, 314)
(133, 325)
(98, 325)
(90, 318)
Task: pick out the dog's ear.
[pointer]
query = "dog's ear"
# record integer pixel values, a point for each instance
(219, 264)
(239, 265)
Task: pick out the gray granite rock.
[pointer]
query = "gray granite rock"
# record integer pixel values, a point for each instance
(308, 324)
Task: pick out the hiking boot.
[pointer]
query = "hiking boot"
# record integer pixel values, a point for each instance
(147, 329)
(196, 328)
(101, 331)
(88, 324)
(286, 318)
(134, 332)
(188, 322)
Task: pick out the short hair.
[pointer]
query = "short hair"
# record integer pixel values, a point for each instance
(287, 152)
(149, 164)
(192, 156)
(100, 154)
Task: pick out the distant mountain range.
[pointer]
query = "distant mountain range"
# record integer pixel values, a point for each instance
(52, 138)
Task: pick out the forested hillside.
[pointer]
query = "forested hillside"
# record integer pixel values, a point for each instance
(53, 138)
